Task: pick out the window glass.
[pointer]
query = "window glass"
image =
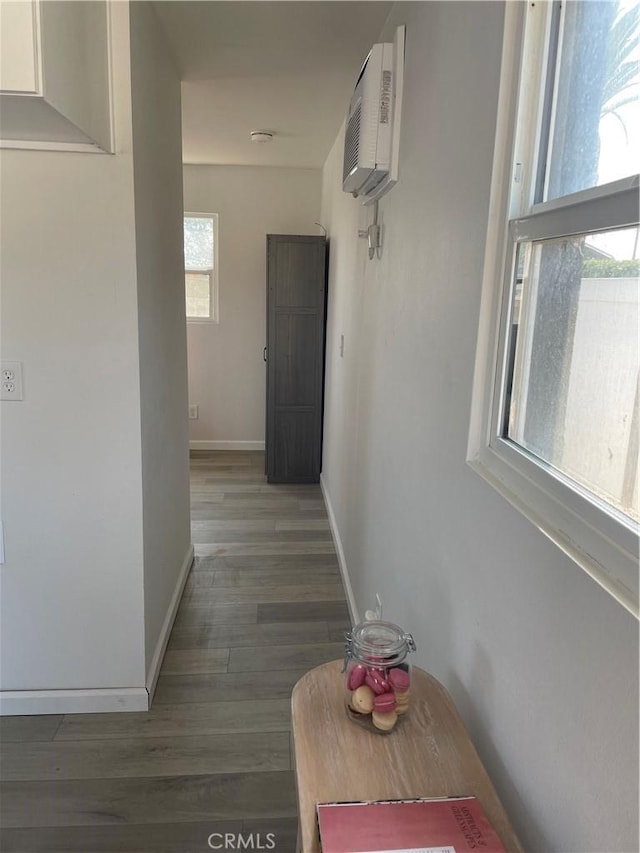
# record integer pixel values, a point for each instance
(200, 262)
(198, 291)
(198, 243)
(574, 363)
(555, 422)
(594, 121)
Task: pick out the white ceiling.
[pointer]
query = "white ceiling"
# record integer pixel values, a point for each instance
(287, 67)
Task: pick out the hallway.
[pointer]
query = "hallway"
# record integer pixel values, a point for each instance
(263, 604)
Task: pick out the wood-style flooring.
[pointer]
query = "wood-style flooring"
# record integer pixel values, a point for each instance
(263, 604)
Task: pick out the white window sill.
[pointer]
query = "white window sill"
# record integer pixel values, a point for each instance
(609, 556)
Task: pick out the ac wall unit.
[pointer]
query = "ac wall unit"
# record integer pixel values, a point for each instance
(372, 138)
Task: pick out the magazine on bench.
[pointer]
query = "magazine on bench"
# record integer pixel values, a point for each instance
(436, 825)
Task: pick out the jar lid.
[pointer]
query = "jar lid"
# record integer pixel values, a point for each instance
(377, 637)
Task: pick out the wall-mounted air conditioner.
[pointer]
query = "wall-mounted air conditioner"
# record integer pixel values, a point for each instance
(372, 138)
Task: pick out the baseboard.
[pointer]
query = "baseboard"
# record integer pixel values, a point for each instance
(28, 702)
(342, 562)
(100, 700)
(226, 445)
(167, 625)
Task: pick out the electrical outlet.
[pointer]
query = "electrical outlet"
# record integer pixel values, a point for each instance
(11, 380)
(193, 413)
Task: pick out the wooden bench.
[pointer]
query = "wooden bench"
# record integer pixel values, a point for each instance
(430, 754)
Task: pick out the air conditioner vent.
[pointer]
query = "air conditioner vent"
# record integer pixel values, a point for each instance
(352, 142)
(371, 145)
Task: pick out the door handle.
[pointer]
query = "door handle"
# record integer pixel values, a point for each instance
(264, 354)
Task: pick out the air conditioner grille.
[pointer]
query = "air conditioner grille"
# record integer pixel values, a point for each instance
(352, 142)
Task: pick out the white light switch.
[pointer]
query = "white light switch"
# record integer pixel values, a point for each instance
(10, 380)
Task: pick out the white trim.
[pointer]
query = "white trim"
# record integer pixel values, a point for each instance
(226, 445)
(494, 260)
(37, 46)
(41, 145)
(606, 212)
(89, 701)
(631, 182)
(342, 560)
(110, 64)
(169, 619)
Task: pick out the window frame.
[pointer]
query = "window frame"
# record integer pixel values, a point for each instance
(214, 316)
(602, 542)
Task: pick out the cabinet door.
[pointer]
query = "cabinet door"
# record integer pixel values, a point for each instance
(296, 287)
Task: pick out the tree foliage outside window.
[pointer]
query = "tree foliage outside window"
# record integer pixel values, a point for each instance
(198, 243)
(610, 268)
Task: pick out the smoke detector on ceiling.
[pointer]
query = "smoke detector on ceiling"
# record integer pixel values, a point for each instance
(261, 136)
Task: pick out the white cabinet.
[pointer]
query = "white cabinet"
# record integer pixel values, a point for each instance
(54, 75)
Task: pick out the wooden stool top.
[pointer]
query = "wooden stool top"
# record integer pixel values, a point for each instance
(429, 754)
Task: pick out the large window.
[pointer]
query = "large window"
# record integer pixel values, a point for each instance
(201, 266)
(556, 420)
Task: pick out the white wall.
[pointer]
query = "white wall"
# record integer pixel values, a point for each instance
(226, 371)
(94, 482)
(157, 148)
(72, 596)
(542, 663)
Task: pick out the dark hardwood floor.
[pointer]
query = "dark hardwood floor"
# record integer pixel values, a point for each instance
(263, 604)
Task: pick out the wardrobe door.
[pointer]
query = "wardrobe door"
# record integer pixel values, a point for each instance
(296, 289)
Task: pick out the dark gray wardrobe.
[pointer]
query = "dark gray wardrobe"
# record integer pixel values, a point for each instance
(296, 316)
